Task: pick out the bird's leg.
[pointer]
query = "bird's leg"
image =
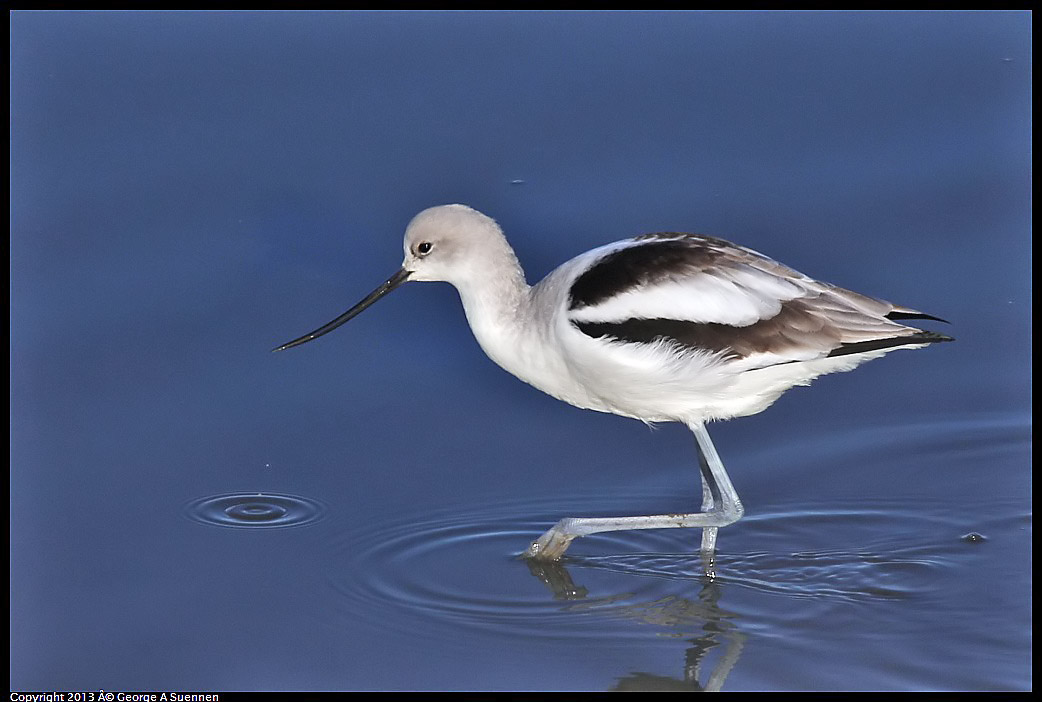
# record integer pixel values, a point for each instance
(719, 500)
(708, 533)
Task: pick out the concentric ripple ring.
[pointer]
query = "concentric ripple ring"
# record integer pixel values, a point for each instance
(255, 510)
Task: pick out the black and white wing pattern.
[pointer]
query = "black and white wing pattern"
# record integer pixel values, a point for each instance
(707, 294)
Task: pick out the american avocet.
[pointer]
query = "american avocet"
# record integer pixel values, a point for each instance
(665, 327)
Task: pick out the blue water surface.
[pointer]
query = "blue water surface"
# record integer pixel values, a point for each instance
(190, 511)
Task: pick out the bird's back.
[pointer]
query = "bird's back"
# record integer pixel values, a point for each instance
(685, 327)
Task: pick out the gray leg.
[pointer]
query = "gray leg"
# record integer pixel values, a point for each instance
(708, 533)
(724, 507)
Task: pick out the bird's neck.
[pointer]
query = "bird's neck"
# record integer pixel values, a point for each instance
(513, 330)
(496, 304)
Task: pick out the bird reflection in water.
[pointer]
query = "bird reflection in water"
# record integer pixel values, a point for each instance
(674, 612)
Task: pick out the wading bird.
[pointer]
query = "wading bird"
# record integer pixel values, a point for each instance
(665, 327)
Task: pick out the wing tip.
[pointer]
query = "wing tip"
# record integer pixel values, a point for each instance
(900, 314)
(892, 342)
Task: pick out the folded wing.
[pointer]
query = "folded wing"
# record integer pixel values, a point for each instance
(706, 294)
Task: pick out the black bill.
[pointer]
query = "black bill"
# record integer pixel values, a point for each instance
(393, 282)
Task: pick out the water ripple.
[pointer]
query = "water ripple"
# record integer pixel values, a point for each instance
(255, 510)
(465, 567)
(462, 565)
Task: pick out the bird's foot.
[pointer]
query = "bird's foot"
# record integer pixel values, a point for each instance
(552, 545)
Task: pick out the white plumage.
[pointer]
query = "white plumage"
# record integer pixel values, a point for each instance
(661, 327)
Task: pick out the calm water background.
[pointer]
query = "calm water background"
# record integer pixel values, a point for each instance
(189, 190)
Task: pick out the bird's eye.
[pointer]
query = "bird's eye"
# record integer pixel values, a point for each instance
(424, 248)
